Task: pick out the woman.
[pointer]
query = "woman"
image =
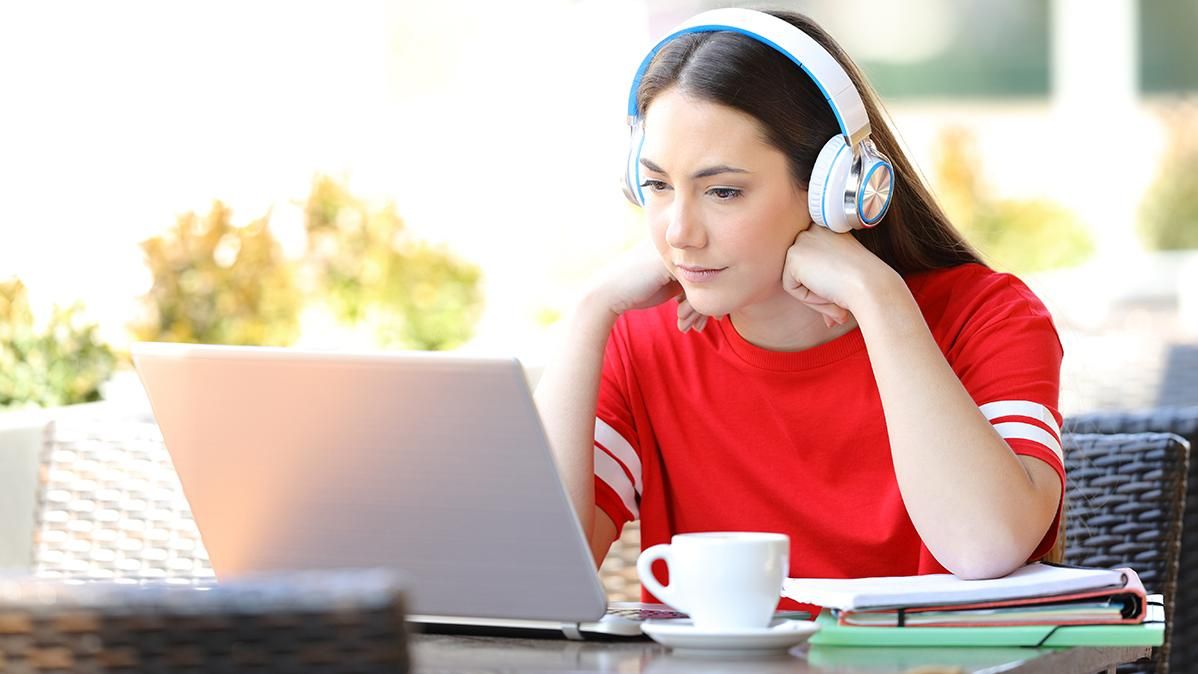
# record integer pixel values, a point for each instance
(879, 395)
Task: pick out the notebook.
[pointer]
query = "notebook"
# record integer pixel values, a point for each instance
(1150, 632)
(1036, 594)
(1033, 580)
(433, 464)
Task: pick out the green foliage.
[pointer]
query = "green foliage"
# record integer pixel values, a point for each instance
(1014, 235)
(547, 316)
(62, 364)
(217, 283)
(412, 294)
(221, 284)
(1028, 236)
(1169, 213)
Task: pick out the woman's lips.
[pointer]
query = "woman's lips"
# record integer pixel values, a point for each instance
(698, 274)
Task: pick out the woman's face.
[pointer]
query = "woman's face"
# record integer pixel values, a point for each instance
(721, 203)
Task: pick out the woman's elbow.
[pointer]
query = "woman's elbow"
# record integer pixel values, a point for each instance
(981, 567)
(997, 555)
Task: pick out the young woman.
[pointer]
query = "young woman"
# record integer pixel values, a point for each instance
(879, 395)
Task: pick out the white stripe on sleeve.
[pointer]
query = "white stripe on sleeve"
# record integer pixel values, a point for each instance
(1019, 430)
(609, 470)
(1021, 408)
(621, 449)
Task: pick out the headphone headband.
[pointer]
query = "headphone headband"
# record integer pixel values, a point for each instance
(851, 182)
(823, 69)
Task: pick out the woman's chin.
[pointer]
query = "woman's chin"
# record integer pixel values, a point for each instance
(708, 302)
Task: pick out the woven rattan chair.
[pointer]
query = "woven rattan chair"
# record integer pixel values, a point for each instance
(618, 571)
(304, 622)
(110, 504)
(1183, 421)
(1125, 497)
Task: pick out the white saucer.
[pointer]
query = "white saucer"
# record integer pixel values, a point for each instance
(683, 635)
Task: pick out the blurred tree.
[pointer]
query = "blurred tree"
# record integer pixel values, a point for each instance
(222, 284)
(1169, 212)
(1014, 235)
(217, 283)
(63, 364)
(412, 294)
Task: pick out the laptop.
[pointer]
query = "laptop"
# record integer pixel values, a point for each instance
(429, 463)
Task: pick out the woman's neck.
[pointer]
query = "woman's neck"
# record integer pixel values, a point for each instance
(782, 323)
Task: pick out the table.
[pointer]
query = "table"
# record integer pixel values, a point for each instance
(455, 654)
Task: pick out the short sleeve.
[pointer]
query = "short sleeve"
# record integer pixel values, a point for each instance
(1008, 357)
(618, 482)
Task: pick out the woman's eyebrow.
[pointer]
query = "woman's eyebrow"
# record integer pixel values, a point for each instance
(702, 173)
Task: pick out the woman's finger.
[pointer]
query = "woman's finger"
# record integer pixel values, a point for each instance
(686, 316)
(688, 321)
(830, 312)
(685, 309)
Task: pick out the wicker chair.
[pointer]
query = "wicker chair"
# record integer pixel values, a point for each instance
(618, 571)
(1125, 498)
(1183, 421)
(109, 504)
(318, 622)
(117, 559)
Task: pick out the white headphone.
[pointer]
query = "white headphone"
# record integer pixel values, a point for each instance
(848, 189)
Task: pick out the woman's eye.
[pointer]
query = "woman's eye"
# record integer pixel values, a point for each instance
(654, 185)
(724, 193)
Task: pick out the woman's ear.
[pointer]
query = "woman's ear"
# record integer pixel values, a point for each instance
(802, 214)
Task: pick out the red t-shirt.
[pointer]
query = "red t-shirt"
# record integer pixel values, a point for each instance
(702, 431)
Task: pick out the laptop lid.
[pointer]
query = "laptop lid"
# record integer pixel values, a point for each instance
(434, 464)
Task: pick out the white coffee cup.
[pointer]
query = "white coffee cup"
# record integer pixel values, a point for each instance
(724, 580)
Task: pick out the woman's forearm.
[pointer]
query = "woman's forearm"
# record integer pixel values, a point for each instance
(566, 397)
(979, 508)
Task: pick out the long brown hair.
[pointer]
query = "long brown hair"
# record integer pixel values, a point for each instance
(743, 73)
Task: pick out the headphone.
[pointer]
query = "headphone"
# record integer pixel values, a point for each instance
(849, 188)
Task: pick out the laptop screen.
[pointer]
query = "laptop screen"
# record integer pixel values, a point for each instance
(432, 464)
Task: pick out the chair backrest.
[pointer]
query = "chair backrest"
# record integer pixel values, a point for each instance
(109, 504)
(313, 621)
(1125, 498)
(618, 571)
(1181, 421)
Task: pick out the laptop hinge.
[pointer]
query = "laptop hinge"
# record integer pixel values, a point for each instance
(571, 631)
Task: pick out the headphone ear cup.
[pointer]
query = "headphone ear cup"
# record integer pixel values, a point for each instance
(826, 189)
(877, 186)
(632, 165)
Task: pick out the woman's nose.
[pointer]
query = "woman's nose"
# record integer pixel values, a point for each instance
(685, 230)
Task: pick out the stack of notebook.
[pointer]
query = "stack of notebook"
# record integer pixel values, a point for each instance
(1039, 598)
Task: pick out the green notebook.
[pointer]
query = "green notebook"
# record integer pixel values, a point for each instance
(1149, 633)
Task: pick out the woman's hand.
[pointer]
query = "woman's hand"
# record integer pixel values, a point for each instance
(637, 280)
(828, 271)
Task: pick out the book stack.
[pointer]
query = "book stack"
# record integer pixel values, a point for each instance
(1026, 607)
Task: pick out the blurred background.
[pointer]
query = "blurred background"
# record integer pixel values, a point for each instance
(419, 175)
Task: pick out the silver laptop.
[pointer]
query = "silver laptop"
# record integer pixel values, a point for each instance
(433, 464)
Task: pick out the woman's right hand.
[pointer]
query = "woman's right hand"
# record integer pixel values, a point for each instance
(636, 280)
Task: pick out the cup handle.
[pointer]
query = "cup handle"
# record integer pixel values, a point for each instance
(644, 569)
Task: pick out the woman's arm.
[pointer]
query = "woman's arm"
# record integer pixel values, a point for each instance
(566, 396)
(568, 391)
(979, 507)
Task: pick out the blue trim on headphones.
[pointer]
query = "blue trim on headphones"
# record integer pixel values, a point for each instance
(636, 181)
(640, 72)
(823, 202)
(889, 195)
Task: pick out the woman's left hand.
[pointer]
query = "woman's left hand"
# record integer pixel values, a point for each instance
(828, 272)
